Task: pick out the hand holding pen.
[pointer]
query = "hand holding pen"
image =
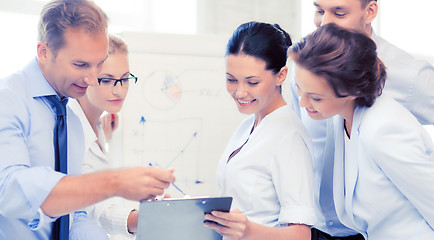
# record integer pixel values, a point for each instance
(141, 183)
(176, 187)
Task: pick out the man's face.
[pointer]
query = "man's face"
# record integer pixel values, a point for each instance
(76, 64)
(345, 13)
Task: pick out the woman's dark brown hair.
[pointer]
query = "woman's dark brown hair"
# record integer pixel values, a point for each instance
(346, 59)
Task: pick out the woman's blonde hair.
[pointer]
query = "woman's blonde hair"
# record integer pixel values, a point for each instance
(117, 45)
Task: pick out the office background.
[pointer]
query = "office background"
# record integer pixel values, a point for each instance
(207, 23)
(406, 24)
(188, 124)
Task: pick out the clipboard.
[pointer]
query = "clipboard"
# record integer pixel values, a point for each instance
(179, 219)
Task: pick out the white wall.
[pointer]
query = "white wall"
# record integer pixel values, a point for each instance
(223, 16)
(408, 25)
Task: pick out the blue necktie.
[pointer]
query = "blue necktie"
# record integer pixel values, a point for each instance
(61, 225)
(326, 187)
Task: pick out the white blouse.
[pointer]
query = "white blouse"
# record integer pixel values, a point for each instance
(271, 177)
(111, 213)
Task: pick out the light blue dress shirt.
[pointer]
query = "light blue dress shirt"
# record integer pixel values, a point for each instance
(27, 173)
(409, 81)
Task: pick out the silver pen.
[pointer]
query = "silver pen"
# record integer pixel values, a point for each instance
(177, 188)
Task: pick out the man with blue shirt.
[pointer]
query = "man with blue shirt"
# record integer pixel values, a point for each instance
(72, 47)
(410, 82)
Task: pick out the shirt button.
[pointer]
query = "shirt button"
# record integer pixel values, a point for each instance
(331, 223)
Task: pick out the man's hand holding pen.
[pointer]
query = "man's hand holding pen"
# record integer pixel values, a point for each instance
(142, 183)
(176, 187)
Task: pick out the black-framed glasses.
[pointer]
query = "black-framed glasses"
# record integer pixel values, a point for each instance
(113, 81)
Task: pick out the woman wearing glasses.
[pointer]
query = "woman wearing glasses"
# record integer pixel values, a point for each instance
(108, 96)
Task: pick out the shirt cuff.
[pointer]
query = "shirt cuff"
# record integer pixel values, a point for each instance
(297, 215)
(39, 221)
(84, 227)
(115, 220)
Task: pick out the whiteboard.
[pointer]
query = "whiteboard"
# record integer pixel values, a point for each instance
(179, 114)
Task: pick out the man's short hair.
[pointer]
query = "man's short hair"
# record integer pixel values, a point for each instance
(59, 15)
(366, 2)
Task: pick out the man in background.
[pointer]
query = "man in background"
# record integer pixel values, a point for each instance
(72, 47)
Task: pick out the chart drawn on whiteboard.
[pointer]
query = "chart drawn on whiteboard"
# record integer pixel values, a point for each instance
(179, 114)
(176, 115)
(163, 90)
(180, 151)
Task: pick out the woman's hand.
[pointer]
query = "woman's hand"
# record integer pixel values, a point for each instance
(233, 225)
(236, 226)
(132, 221)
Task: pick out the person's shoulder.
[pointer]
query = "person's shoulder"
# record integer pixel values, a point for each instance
(14, 108)
(14, 84)
(388, 125)
(384, 115)
(386, 49)
(384, 108)
(17, 91)
(285, 123)
(286, 118)
(12, 89)
(395, 57)
(386, 104)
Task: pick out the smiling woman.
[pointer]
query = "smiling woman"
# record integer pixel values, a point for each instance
(368, 151)
(266, 166)
(252, 87)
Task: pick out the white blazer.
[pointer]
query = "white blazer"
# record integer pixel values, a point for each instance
(385, 187)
